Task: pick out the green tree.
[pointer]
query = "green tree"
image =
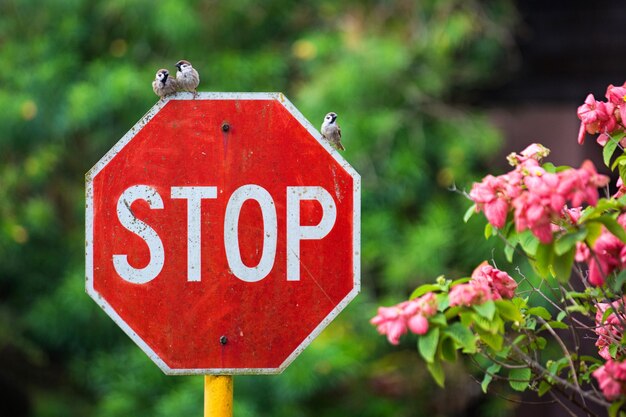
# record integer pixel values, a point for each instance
(77, 77)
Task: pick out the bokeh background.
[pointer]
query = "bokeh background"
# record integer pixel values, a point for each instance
(430, 93)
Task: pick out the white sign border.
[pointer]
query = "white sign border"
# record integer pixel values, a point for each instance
(89, 217)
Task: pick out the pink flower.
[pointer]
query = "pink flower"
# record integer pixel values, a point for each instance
(491, 197)
(617, 97)
(427, 304)
(611, 388)
(609, 255)
(581, 185)
(534, 151)
(500, 283)
(595, 117)
(408, 315)
(610, 329)
(418, 324)
(572, 214)
(582, 252)
(542, 202)
(531, 213)
(391, 322)
(621, 189)
(611, 378)
(472, 293)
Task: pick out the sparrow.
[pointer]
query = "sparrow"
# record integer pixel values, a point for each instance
(332, 132)
(163, 84)
(187, 77)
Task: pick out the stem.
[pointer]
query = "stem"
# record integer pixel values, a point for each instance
(574, 401)
(499, 362)
(565, 352)
(562, 404)
(543, 372)
(552, 303)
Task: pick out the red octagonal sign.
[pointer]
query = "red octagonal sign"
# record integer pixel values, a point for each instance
(222, 233)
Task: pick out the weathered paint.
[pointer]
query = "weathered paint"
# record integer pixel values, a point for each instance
(210, 321)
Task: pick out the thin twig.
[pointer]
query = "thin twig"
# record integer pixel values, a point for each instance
(538, 368)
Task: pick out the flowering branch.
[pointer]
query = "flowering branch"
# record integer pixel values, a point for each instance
(554, 218)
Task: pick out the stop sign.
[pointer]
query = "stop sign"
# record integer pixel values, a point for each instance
(222, 233)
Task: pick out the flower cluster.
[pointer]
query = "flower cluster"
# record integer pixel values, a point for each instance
(603, 117)
(536, 197)
(410, 315)
(612, 379)
(608, 254)
(486, 283)
(609, 327)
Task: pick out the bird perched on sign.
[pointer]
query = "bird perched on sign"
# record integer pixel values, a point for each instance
(163, 84)
(332, 132)
(187, 77)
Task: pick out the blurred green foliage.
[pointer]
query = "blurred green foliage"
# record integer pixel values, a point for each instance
(77, 76)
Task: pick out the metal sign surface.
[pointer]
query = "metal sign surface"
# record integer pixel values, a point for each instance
(222, 233)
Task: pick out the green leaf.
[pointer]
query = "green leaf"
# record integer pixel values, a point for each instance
(577, 309)
(452, 312)
(567, 241)
(540, 343)
(615, 408)
(509, 311)
(494, 341)
(423, 289)
(594, 232)
(509, 250)
(616, 163)
(439, 319)
(543, 388)
(489, 230)
(462, 336)
(492, 370)
(618, 283)
(519, 378)
(543, 260)
(622, 170)
(529, 242)
(540, 312)
(436, 371)
(478, 320)
(497, 325)
(549, 167)
(459, 281)
(612, 226)
(448, 350)
(469, 213)
(608, 150)
(427, 344)
(487, 309)
(443, 302)
(558, 325)
(562, 265)
(554, 367)
(607, 312)
(590, 359)
(613, 350)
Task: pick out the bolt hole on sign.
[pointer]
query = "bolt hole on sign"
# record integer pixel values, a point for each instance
(222, 250)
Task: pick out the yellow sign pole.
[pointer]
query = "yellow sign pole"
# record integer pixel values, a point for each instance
(218, 396)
